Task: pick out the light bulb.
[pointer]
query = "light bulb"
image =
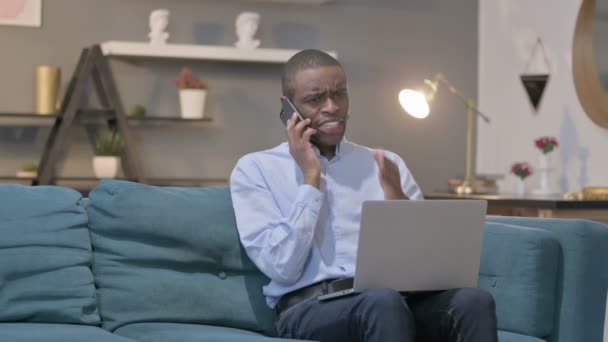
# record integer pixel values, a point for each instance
(414, 103)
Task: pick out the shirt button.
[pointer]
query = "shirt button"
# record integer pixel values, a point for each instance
(222, 275)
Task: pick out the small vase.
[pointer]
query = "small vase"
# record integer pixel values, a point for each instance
(520, 187)
(48, 79)
(545, 167)
(192, 103)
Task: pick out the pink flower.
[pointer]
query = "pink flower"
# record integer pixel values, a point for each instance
(546, 144)
(186, 80)
(521, 169)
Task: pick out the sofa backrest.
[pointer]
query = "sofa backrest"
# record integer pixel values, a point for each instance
(165, 254)
(45, 257)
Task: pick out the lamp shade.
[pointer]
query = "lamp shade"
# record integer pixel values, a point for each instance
(414, 103)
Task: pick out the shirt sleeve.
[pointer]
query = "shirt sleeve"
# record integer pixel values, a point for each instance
(277, 243)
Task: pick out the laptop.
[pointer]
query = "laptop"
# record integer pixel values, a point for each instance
(418, 245)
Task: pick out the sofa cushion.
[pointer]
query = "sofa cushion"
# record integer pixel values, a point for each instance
(519, 267)
(34, 332)
(45, 257)
(166, 254)
(505, 336)
(164, 332)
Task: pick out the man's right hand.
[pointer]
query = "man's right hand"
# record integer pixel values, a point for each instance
(300, 148)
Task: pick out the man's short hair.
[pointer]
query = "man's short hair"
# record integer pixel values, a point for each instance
(303, 60)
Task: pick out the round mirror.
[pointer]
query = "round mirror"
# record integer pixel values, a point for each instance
(590, 59)
(600, 41)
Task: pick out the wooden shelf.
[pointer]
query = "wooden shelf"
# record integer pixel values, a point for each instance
(203, 52)
(92, 117)
(26, 119)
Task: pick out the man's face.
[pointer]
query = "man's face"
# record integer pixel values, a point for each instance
(321, 95)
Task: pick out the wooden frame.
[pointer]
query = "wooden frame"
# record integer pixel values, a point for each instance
(21, 13)
(92, 65)
(589, 89)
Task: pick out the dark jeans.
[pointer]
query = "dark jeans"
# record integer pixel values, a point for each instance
(385, 315)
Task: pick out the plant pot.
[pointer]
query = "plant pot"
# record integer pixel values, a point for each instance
(106, 166)
(27, 174)
(192, 103)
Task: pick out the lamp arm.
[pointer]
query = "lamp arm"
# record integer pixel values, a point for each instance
(468, 102)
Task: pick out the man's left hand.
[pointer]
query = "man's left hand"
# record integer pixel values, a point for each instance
(390, 180)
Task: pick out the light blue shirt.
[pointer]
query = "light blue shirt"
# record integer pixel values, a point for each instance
(299, 235)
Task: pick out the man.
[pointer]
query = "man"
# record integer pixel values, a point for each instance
(298, 211)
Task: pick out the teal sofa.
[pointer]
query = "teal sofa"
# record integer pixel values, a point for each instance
(141, 263)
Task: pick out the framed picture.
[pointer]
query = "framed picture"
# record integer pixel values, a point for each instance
(21, 12)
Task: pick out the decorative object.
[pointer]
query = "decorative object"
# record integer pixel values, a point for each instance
(247, 24)
(137, 111)
(192, 94)
(159, 20)
(536, 82)
(585, 67)
(416, 104)
(596, 193)
(28, 170)
(108, 148)
(48, 79)
(546, 145)
(21, 12)
(522, 170)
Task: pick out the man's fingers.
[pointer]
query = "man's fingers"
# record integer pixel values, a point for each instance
(301, 125)
(379, 157)
(308, 133)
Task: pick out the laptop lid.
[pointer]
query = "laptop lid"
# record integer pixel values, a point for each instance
(420, 245)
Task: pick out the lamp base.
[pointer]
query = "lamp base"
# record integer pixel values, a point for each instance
(467, 188)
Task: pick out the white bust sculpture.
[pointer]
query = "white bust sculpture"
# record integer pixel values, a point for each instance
(159, 19)
(246, 27)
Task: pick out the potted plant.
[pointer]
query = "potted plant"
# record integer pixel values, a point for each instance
(192, 94)
(137, 111)
(108, 148)
(28, 170)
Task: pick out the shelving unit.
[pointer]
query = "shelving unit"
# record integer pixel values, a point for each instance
(95, 116)
(93, 66)
(202, 52)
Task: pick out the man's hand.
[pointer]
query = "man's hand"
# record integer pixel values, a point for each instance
(390, 180)
(300, 147)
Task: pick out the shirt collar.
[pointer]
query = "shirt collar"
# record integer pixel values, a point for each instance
(340, 149)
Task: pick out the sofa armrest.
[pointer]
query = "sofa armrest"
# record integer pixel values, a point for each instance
(519, 267)
(582, 275)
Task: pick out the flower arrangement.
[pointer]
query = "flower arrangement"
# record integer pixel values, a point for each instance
(521, 170)
(187, 80)
(546, 144)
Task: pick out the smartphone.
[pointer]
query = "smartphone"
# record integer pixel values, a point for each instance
(287, 111)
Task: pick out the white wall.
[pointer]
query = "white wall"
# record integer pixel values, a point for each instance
(508, 30)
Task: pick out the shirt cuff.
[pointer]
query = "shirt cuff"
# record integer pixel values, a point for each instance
(309, 197)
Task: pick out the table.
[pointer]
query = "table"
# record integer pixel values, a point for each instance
(536, 206)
